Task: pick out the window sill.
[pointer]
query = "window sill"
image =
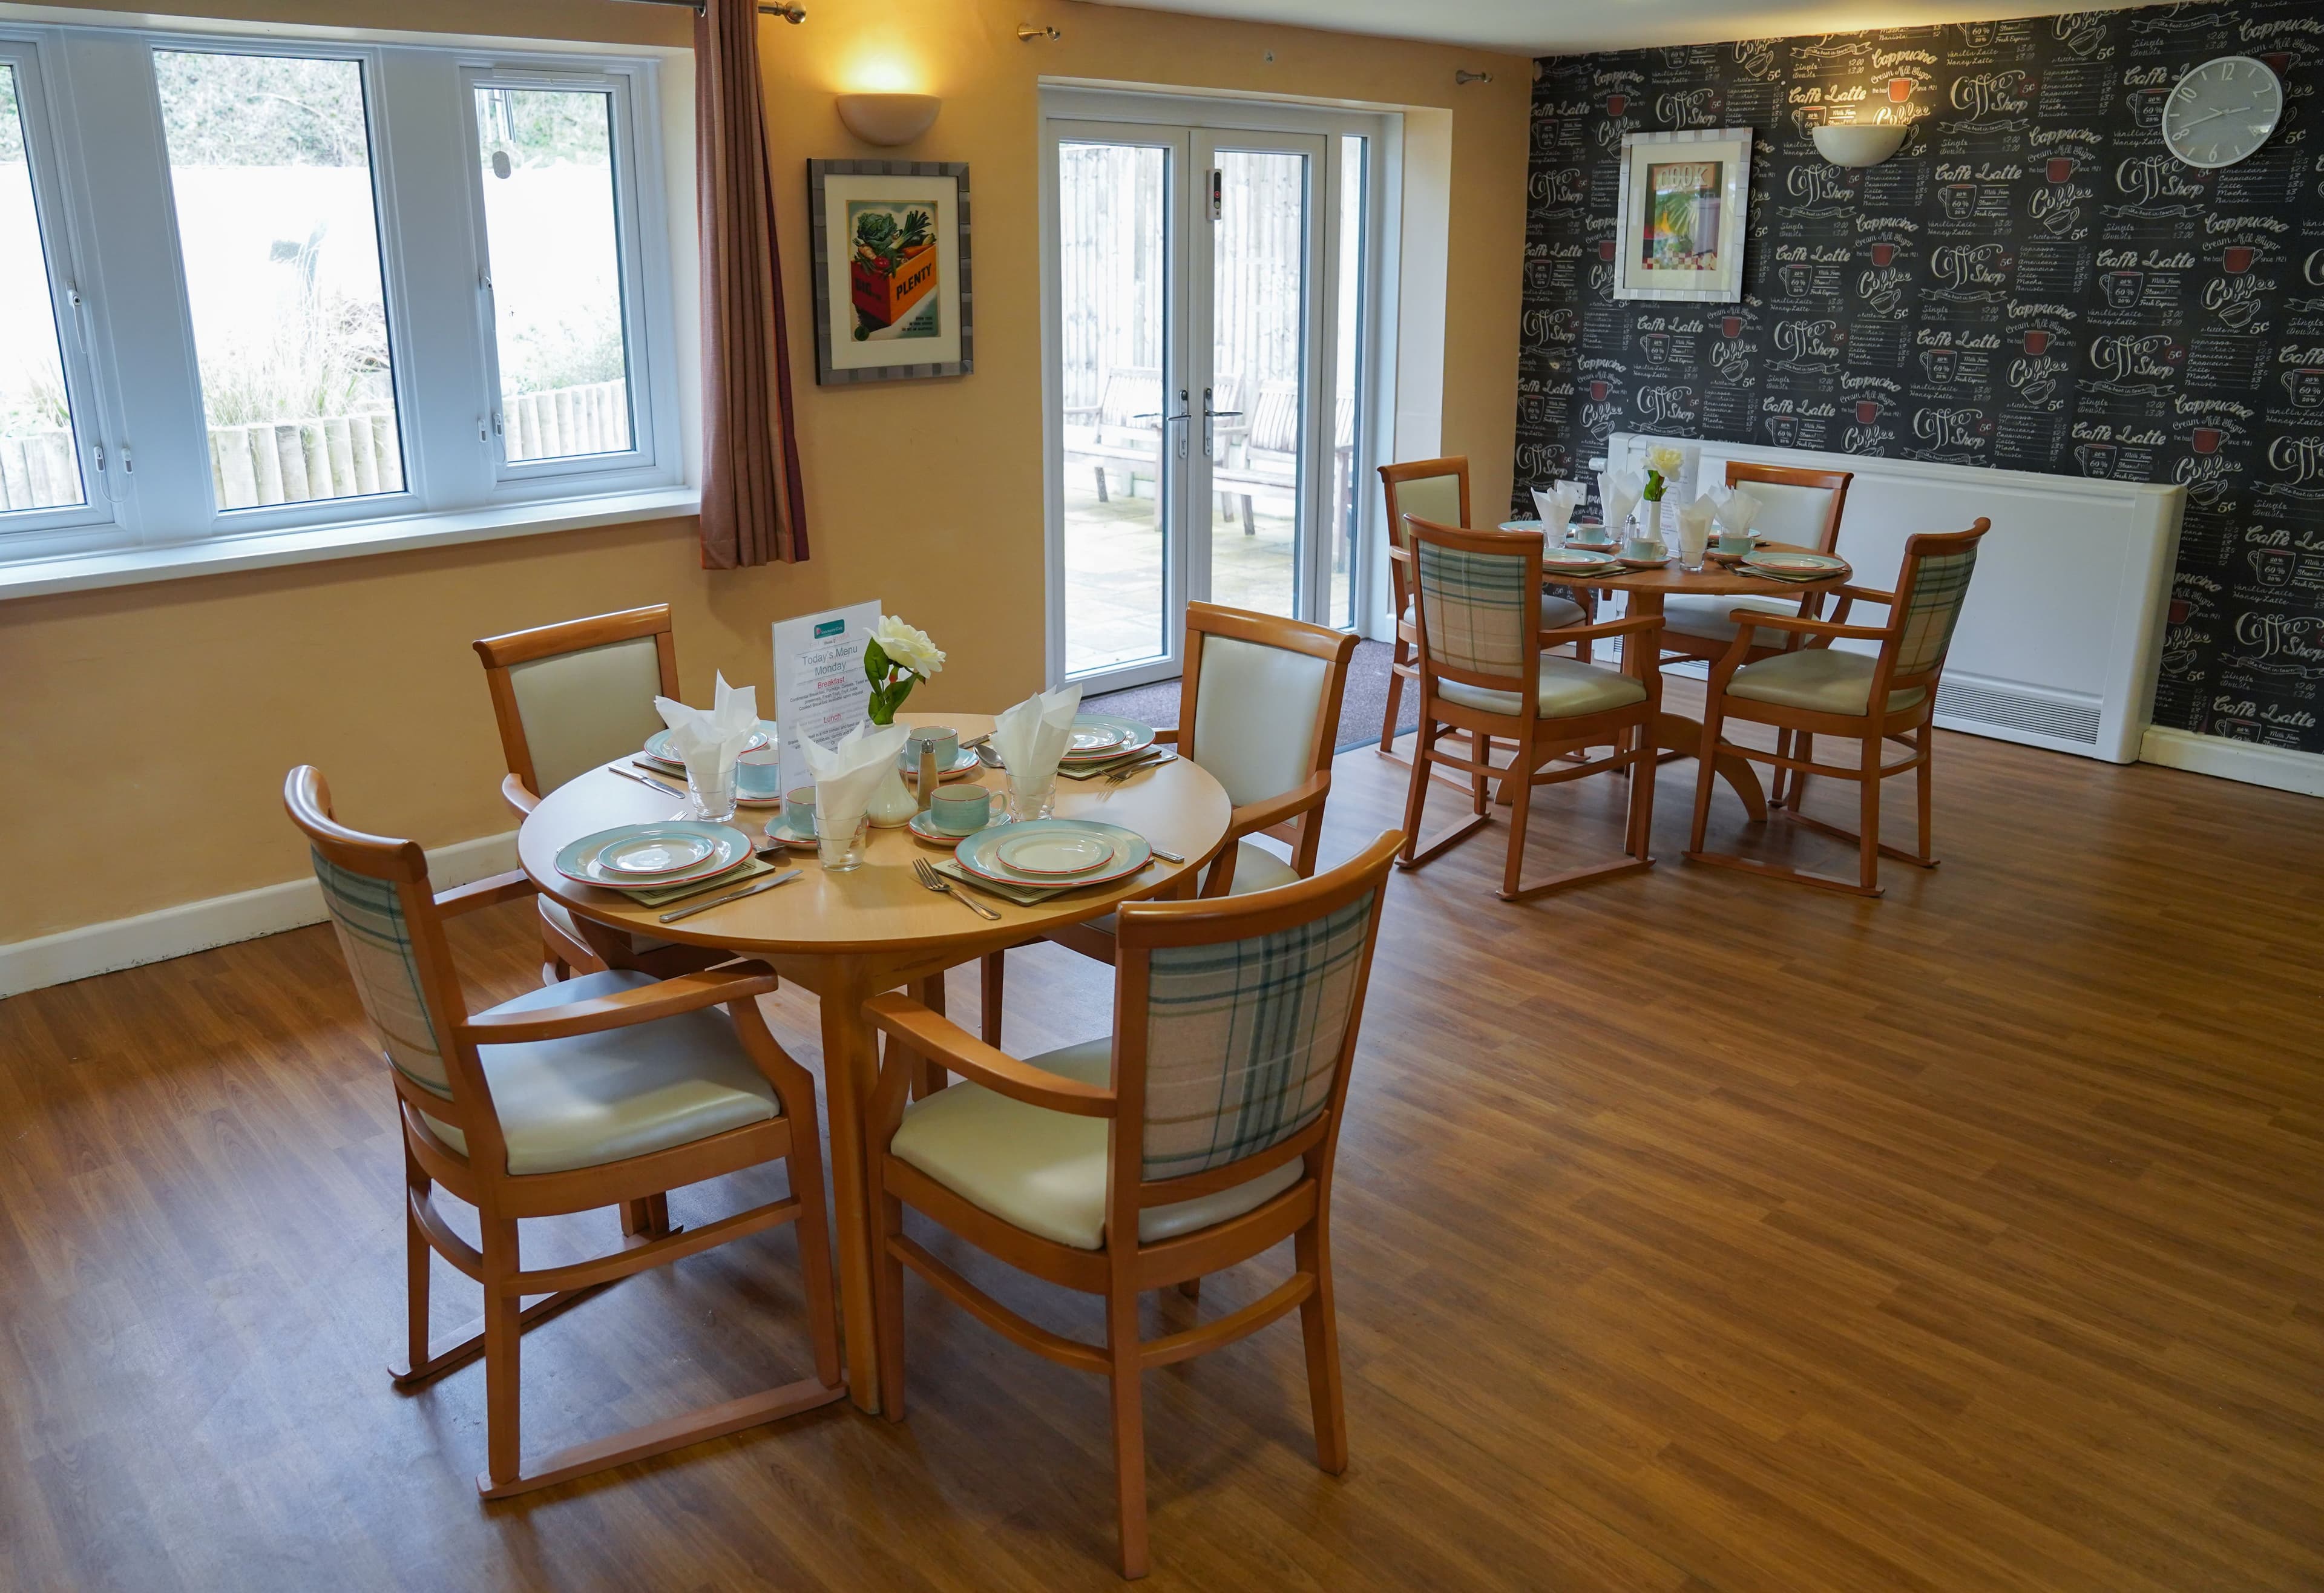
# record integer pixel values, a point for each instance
(126, 566)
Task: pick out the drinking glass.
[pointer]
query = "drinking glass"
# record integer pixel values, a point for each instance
(713, 791)
(1031, 798)
(841, 850)
(1693, 541)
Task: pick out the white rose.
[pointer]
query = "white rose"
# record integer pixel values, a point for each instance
(1667, 460)
(908, 647)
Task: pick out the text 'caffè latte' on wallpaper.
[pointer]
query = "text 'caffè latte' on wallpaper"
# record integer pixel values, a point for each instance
(2035, 282)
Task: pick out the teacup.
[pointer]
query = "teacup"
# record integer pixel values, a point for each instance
(1641, 549)
(758, 773)
(1734, 541)
(961, 810)
(942, 738)
(798, 810)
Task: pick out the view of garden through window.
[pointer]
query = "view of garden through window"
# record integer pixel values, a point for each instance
(270, 162)
(552, 226)
(39, 466)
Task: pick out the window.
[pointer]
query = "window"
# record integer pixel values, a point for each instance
(285, 293)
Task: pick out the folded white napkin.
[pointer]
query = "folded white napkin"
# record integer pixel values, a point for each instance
(1031, 736)
(1619, 491)
(1554, 504)
(1737, 512)
(1694, 526)
(710, 741)
(846, 775)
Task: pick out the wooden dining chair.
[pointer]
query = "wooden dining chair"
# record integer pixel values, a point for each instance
(1436, 489)
(1483, 669)
(1873, 698)
(1202, 1132)
(1802, 508)
(568, 697)
(608, 1090)
(1259, 707)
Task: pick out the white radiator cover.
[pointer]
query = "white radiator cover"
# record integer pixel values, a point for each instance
(2062, 634)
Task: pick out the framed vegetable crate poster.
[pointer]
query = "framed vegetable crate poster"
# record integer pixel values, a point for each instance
(891, 273)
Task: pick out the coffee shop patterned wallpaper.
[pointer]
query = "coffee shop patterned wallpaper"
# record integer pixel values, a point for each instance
(2034, 283)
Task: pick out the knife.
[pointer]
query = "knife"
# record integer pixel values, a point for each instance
(785, 877)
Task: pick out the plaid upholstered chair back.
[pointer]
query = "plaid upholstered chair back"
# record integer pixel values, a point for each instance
(1479, 598)
(1930, 592)
(1247, 1036)
(369, 897)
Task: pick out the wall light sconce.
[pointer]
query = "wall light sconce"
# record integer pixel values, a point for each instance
(1858, 143)
(1026, 33)
(887, 119)
(1464, 77)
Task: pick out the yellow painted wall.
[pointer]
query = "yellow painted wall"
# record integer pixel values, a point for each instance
(148, 727)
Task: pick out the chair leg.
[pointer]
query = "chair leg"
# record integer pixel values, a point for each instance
(1642, 807)
(1319, 1324)
(1796, 797)
(994, 973)
(415, 1265)
(1416, 799)
(1780, 779)
(503, 1349)
(888, 1297)
(1481, 751)
(1128, 1428)
(1924, 744)
(1100, 484)
(1520, 810)
(927, 1076)
(1395, 701)
(1192, 1288)
(1868, 818)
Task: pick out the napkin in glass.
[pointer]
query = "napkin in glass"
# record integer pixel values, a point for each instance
(1695, 528)
(846, 775)
(1619, 491)
(1031, 737)
(1554, 504)
(708, 742)
(1737, 512)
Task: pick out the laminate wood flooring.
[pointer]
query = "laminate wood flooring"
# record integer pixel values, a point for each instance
(1693, 1232)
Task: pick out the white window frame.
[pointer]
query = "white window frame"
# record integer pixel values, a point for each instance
(90, 102)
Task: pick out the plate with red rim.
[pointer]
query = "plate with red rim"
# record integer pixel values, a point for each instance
(1643, 564)
(657, 748)
(1107, 736)
(1128, 852)
(1796, 564)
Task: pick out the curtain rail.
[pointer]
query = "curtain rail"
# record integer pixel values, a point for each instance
(792, 12)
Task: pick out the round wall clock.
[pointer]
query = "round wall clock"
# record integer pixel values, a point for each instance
(2221, 110)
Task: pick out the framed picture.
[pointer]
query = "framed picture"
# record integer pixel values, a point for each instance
(1684, 198)
(892, 274)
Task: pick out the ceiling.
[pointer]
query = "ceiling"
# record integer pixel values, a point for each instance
(1565, 27)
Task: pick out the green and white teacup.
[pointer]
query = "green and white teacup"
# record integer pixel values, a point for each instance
(961, 810)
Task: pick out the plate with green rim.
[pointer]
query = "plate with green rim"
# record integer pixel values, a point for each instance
(578, 861)
(656, 745)
(1130, 852)
(1121, 737)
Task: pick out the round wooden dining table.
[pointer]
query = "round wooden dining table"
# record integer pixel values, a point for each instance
(852, 935)
(1646, 590)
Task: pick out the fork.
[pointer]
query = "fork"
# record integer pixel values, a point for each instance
(935, 881)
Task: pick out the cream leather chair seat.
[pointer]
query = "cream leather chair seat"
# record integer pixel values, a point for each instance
(1706, 616)
(1044, 1171)
(1821, 679)
(1568, 688)
(592, 1098)
(1557, 613)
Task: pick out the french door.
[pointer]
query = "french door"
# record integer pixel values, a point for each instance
(1207, 314)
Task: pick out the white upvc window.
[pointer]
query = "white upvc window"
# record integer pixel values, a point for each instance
(252, 288)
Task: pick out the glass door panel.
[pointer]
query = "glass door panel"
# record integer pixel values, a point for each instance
(1114, 269)
(1257, 304)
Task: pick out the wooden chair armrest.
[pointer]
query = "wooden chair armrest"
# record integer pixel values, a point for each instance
(514, 792)
(944, 1041)
(1868, 593)
(1829, 630)
(513, 886)
(1258, 815)
(1166, 738)
(1636, 625)
(689, 993)
(1399, 555)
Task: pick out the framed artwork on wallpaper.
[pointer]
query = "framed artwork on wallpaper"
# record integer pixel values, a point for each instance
(892, 272)
(1684, 198)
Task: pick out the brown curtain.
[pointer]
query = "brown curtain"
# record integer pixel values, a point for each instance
(753, 505)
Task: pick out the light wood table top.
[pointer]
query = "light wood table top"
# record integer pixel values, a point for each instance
(879, 906)
(1712, 580)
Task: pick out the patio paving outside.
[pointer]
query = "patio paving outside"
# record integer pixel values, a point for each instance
(1114, 572)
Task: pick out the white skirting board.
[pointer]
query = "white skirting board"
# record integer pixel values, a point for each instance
(198, 925)
(2248, 761)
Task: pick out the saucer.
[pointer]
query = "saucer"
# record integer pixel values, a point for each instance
(922, 826)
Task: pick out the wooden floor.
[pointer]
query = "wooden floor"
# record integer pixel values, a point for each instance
(1693, 1232)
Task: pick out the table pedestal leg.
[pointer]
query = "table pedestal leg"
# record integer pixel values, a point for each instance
(849, 1063)
(1675, 731)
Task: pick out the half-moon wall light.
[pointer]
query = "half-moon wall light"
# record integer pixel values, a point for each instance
(888, 119)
